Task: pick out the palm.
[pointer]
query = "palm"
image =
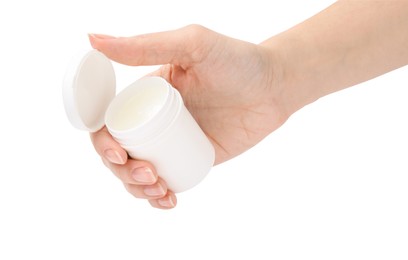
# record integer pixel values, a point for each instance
(231, 99)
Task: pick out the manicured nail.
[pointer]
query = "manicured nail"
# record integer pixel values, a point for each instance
(156, 190)
(113, 156)
(143, 175)
(100, 36)
(166, 202)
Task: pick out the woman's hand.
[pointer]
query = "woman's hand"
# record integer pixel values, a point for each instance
(231, 88)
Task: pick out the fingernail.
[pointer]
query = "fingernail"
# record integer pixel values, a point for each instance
(156, 190)
(100, 36)
(143, 175)
(113, 156)
(166, 202)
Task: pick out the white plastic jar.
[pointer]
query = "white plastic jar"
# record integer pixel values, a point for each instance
(148, 119)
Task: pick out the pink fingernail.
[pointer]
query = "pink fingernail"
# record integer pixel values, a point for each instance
(156, 190)
(113, 156)
(166, 202)
(101, 36)
(143, 175)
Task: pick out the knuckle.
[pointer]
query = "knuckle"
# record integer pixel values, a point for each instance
(195, 29)
(198, 38)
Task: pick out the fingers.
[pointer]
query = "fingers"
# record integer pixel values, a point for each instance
(141, 180)
(154, 191)
(183, 46)
(139, 177)
(167, 202)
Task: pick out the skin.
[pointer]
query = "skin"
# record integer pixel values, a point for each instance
(240, 92)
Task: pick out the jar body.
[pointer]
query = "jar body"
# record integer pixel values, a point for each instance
(178, 148)
(182, 154)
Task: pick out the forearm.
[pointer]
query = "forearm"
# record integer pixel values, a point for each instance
(348, 43)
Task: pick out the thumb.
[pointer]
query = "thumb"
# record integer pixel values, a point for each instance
(182, 47)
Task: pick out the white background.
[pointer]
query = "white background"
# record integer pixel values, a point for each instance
(330, 184)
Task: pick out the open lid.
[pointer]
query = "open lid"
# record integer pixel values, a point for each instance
(88, 88)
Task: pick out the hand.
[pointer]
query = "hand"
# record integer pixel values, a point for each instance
(229, 86)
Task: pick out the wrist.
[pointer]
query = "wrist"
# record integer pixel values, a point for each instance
(293, 82)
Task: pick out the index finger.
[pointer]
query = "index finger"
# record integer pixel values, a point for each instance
(184, 46)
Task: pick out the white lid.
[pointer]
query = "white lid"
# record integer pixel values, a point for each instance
(88, 88)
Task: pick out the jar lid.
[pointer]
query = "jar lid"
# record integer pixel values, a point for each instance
(88, 88)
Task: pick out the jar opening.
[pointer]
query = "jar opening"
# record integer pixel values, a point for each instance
(143, 110)
(137, 105)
